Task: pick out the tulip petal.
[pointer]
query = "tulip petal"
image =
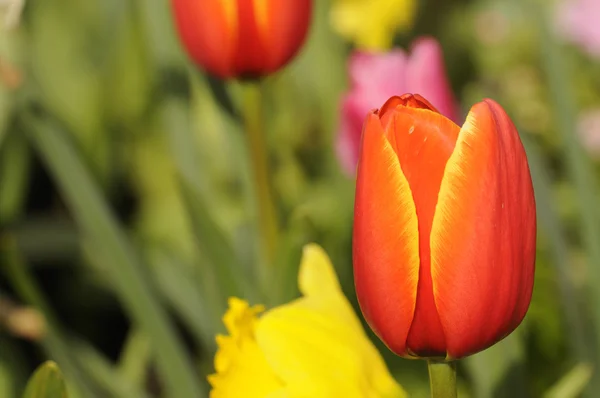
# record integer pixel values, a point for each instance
(212, 42)
(385, 240)
(250, 49)
(483, 234)
(285, 25)
(406, 100)
(423, 141)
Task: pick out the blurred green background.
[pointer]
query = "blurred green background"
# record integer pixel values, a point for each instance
(127, 207)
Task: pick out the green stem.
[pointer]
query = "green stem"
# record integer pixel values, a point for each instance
(255, 134)
(442, 379)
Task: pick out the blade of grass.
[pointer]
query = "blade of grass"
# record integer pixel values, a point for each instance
(498, 371)
(47, 239)
(176, 283)
(13, 367)
(84, 366)
(105, 374)
(15, 160)
(210, 238)
(135, 357)
(572, 384)
(550, 226)
(130, 281)
(579, 169)
(54, 343)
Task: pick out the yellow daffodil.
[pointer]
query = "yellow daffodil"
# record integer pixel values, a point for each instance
(312, 347)
(371, 24)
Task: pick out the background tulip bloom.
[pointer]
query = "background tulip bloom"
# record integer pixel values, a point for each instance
(375, 77)
(444, 228)
(242, 37)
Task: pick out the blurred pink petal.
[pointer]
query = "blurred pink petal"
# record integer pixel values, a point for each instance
(578, 22)
(375, 77)
(588, 128)
(426, 75)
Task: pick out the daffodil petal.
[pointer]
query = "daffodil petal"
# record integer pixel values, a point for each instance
(372, 24)
(316, 344)
(242, 369)
(316, 275)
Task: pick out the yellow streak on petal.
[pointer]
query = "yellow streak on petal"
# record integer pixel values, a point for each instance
(450, 188)
(261, 13)
(409, 235)
(230, 10)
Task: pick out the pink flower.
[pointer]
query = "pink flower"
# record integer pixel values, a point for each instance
(588, 128)
(578, 22)
(374, 77)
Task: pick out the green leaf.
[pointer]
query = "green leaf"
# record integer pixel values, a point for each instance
(13, 368)
(498, 371)
(135, 357)
(216, 248)
(15, 161)
(18, 274)
(105, 374)
(578, 166)
(113, 247)
(178, 285)
(46, 382)
(210, 238)
(551, 228)
(572, 384)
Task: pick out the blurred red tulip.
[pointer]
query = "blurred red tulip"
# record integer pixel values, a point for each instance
(375, 77)
(242, 38)
(444, 228)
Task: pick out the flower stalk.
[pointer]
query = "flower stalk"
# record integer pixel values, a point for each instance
(257, 146)
(442, 379)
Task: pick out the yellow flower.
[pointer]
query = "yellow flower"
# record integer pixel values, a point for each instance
(371, 24)
(313, 347)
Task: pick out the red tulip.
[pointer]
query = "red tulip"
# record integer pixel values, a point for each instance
(444, 228)
(239, 38)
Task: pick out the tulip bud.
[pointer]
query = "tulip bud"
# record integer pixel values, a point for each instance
(444, 228)
(242, 38)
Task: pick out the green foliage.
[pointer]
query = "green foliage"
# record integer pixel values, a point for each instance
(46, 382)
(126, 190)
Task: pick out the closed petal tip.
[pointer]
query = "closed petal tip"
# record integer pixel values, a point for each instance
(406, 100)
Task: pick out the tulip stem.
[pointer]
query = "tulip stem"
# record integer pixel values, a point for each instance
(442, 379)
(257, 145)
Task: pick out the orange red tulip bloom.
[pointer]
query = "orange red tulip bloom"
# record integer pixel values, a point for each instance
(242, 38)
(444, 228)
